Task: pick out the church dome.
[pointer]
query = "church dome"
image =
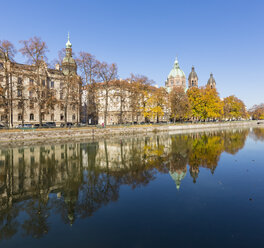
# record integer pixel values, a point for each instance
(192, 74)
(176, 70)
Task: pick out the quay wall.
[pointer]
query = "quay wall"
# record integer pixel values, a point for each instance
(87, 133)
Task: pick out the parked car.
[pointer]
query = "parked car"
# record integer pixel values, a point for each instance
(28, 125)
(68, 124)
(41, 126)
(51, 124)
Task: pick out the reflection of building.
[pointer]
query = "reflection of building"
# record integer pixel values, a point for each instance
(176, 77)
(36, 170)
(177, 176)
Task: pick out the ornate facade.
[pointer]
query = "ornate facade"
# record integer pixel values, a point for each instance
(23, 89)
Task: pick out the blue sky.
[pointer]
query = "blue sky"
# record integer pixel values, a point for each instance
(224, 37)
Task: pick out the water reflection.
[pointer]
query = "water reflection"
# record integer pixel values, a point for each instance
(75, 180)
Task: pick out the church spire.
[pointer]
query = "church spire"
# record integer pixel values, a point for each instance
(68, 44)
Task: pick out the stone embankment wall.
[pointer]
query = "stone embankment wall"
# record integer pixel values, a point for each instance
(49, 135)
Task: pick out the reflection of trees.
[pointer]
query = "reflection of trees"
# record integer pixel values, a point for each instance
(86, 177)
(234, 141)
(258, 133)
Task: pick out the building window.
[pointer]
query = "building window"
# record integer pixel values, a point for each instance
(1, 66)
(73, 117)
(61, 96)
(43, 94)
(51, 84)
(20, 105)
(43, 82)
(171, 82)
(52, 117)
(73, 107)
(19, 117)
(61, 117)
(31, 117)
(2, 117)
(19, 93)
(31, 81)
(31, 104)
(42, 116)
(30, 93)
(19, 81)
(1, 79)
(62, 107)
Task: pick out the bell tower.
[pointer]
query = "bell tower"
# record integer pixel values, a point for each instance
(193, 79)
(68, 64)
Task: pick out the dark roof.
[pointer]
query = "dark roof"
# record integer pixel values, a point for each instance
(192, 74)
(211, 80)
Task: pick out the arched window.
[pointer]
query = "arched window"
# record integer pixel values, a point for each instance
(31, 117)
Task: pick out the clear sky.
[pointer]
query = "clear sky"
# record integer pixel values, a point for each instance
(224, 37)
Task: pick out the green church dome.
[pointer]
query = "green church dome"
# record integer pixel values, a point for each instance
(176, 70)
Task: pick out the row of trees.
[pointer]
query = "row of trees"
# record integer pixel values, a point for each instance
(257, 112)
(204, 103)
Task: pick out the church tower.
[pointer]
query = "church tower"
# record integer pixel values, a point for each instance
(211, 82)
(192, 79)
(68, 64)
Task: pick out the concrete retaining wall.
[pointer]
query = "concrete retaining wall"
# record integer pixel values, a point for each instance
(90, 133)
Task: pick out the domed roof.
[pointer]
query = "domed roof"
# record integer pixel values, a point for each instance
(211, 80)
(177, 177)
(176, 70)
(192, 74)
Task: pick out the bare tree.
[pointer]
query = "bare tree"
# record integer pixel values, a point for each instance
(35, 51)
(121, 93)
(106, 73)
(7, 53)
(88, 66)
(70, 92)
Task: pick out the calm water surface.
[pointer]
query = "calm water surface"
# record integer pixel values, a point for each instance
(187, 190)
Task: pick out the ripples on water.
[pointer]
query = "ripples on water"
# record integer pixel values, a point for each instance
(187, 190)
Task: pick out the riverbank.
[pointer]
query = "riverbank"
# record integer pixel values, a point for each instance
(87, 133)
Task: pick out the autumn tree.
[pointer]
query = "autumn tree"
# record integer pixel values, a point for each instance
(7, 53)
(35, 50)
(88, 67)
(155, 103)
(135, 86)
(205, 103)
(234, 108)
(106, 74)
(179, 104)
(257, 112)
